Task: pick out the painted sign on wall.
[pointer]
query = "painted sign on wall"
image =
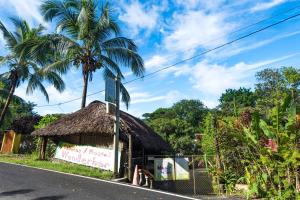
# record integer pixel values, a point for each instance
(168, 169)
(163, 169)
(182, 169)
(87, 155)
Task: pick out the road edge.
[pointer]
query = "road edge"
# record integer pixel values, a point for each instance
(105, 181)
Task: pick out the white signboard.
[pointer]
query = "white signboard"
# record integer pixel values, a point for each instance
(167, 169)
(86, 155)
(163, 169)
(182, 169)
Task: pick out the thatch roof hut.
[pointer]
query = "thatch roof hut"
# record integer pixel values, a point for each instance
(93, 120)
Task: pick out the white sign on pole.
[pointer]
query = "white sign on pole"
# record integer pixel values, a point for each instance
(87, 155)
(110, 90)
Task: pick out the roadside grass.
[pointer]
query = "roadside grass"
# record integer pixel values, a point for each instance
(32, 160)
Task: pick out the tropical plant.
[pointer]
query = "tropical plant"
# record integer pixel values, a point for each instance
(89, 38)
(21, 67)
(51, 146)
(233, 101)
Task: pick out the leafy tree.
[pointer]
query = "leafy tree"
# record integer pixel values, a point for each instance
(51, 145)
(18, 107)
(22, 66)
(178, 124)
(233, 101)
(191, 111)
(90, 38)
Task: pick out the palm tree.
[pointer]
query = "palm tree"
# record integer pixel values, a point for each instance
(23, 67)
(92, 40)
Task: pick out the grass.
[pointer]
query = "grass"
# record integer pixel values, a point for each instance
(31, 160)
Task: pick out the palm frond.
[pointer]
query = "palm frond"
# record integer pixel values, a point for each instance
(125, 96)
(35, 82)
(110, 64)
(8, 36)
(55, 80)
(127, 58)
(121, 42)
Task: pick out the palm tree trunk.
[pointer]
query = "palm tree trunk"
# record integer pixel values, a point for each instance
(9, 98)
(85, 85)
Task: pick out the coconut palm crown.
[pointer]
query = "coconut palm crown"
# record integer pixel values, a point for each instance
(89, 39)
(20, 67)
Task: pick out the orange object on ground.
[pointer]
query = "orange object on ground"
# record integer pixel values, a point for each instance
(136, 178)
(11, 142)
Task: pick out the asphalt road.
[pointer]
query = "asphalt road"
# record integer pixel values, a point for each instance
(22, 183)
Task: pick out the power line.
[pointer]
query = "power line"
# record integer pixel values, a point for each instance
(188, 59)
(249, 25)
(237, 30)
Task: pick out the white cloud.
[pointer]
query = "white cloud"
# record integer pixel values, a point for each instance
(156, 62)
(145, 97)
(211, 80)
(27, 9)
(197, 28)
(237, 49)
(138, 17)
(196, 4)
(266, 5)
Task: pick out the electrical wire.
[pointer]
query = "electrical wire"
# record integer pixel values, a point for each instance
(188, 59)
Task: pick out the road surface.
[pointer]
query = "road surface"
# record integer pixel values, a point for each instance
(23, 183)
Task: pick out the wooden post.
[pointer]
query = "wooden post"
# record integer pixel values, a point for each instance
(130, 158)
(43, 148)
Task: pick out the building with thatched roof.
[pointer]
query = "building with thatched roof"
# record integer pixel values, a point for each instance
(93, 126)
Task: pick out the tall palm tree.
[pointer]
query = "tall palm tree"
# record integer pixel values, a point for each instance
(92, 39)
(21, 67)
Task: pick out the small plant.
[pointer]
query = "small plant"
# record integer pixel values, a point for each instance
(229, 179)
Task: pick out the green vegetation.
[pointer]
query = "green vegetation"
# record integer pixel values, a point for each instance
(179, 124)
(18, 107)
(31, 160)
(259, 145)
(24, 67)
(251, 138)
(91, 41)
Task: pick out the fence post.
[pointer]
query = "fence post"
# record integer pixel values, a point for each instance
(194, 179)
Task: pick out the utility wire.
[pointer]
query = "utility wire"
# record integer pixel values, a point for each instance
(188, 59)
(237, 30)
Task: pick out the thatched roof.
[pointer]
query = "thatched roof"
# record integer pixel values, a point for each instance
(93, 119)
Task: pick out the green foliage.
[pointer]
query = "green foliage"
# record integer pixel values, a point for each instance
(208, 139)
(18, 107)
(179, 124)
(258, 145)
(233, 101)
(23, 65)
(32, 160)
(51, 146)
(89, 39)
(46, 120)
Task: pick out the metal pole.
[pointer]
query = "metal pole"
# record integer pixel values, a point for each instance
(130, 158)
(194, 179)
(117, 128)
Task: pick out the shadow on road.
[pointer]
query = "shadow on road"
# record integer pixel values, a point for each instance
(57, 197)
(15, 192)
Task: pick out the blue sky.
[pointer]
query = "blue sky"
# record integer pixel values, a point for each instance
(168, 31)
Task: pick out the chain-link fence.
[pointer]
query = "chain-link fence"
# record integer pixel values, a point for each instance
(186, 175)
